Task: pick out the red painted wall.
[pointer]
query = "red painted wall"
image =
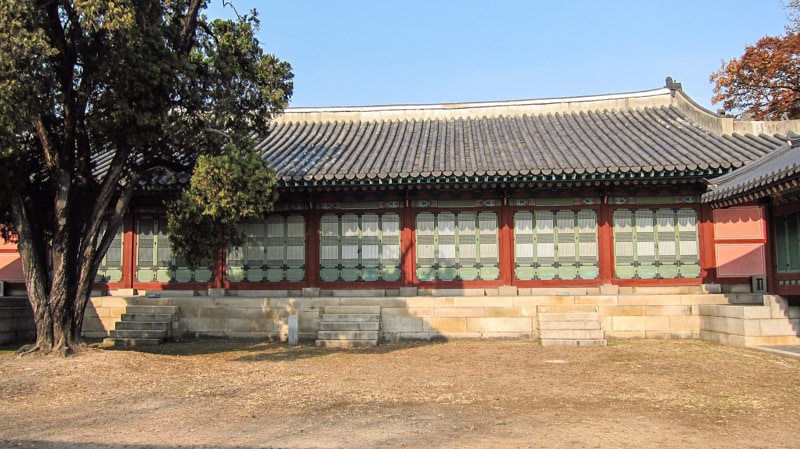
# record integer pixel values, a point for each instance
(739, 243)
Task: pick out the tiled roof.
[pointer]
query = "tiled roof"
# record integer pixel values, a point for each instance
(659, 133)
(773, 173)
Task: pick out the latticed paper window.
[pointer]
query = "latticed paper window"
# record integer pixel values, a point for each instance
(295, 268)
(457, 246)
(555, 244)
(111, 267)
(787, 243)
(656, 243)
(390, 247)
(370, 247)
(273, 250)
(155, 261)
(360, 247)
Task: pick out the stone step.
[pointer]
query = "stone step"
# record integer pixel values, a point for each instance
(347, 335)
(142, 325)
(345, 343)
(567, 308)
(574, 343)
(352, 317)
(571, 334)
(566, 316)
(148, 317)
(139, 334)
(349, 310)
(161, 310)
(14, 301)
(126, 342)
(570, 325)
(349, 326)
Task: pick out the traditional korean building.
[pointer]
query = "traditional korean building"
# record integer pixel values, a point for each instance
(583, 191)
(479, 219)
(769, 188)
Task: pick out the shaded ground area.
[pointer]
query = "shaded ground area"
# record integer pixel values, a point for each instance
(478, 394)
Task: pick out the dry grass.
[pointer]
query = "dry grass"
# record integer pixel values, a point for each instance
(234, 394)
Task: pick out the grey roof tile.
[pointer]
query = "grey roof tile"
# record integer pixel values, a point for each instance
(756, 179)
(594, 136)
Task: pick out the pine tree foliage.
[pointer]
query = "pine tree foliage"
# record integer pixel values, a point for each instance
(225, 190)
(95, 97)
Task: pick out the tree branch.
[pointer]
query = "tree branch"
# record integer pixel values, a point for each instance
(49, 149)
(189, 27)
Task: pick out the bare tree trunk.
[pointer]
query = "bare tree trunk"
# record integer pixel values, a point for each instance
(58, 318)
(218, 265)
(59, 299)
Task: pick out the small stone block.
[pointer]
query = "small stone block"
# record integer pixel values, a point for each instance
(408, 291)
(444, 325)
(311, 292)
(124, 292)
(508, 291)
(293, 337)
(609, 289)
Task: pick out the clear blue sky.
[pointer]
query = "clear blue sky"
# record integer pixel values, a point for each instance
(379, 52)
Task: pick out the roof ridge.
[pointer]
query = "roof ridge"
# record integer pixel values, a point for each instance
(649, 98)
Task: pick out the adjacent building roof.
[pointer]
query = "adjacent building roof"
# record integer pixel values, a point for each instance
(660, 133)
(775, 173)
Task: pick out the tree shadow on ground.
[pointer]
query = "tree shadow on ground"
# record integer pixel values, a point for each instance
(264, 350)
(39, 444)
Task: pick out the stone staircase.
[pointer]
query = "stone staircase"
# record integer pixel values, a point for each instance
(576, 325)
(144, 325)
(349, 327)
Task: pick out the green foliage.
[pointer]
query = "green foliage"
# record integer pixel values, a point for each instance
(95, 97)
(82, 81)
(88, 86)
(224, 191)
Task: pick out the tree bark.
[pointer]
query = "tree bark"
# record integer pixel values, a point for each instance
(60, 302)
(218, 267)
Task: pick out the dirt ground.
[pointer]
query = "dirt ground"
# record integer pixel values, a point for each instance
(477, 394)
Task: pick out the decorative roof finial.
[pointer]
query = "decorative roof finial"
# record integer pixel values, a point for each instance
(673, 85)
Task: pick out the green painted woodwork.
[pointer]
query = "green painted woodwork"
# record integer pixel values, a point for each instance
(782, 243)
(235, 274)
(688, 243)
(459, 246)
(787, 243)
(273, 250)
(183, 275)
(555, 244)
(155, 261)
(146, 250)
(360, 247)
(426, 246)
(293, 274)
(391, 273)
(110, 269)
(656, 243)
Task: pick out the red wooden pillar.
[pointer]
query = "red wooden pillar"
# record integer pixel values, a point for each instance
(408, 254)
(705, 233)
(312, 248)
(506, 245)
(218, 279)
(769, 248)
(605, 243)
(128, 251)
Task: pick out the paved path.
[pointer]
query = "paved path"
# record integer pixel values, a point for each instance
(788, 350)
